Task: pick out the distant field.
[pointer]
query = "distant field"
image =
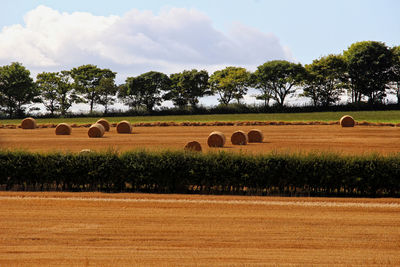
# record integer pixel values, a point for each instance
(370, 116)
(290, 138)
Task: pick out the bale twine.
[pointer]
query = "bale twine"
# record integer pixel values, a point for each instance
(347, 121)
(63, 129)
(255, 136)
(105, 124)
(193, 146)
(216, 139)
(124, 127)
(96, 130)
(28, 123)
(239, 138)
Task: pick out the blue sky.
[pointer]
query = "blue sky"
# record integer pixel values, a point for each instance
(310, 29)
(133, 37)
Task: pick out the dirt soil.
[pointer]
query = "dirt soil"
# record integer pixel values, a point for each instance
(283, 138)
(94, 229)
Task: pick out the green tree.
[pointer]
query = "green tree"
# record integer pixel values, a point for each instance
(56, 91)
(145, 90)
(17, 89)
(177, 93)
(323, 81)
(258, 83)
(123, 93)
(395, 72)
(107, 90)
(230, 83)
(187, 87)
(278, 79)
(87, 80)
(368, 66)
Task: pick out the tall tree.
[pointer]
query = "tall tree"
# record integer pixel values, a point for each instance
(368, 65)
(278, 79)
(107, 90)
(56, 91)
(323, 82)
(17, 89)
(124, 95)
(265, 90)
(67, 93)
(395, 72)
(145, 90)
(230, 83)
(187, 87)
(87, 80)
(177, 93)
(47, 83)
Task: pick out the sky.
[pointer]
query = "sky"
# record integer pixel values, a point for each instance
(133, 37)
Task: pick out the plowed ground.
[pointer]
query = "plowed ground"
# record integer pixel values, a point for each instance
(93, 229)
(284, 138)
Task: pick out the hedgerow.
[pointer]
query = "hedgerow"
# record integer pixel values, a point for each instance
(207, 173)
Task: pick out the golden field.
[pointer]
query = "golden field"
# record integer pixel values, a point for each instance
(97, 229)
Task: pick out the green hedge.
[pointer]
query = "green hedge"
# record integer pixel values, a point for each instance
(208, 173)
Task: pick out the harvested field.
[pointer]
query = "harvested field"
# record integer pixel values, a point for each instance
(283, 138)
(94, 229)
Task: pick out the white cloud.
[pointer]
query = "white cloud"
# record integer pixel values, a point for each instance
(139, 41)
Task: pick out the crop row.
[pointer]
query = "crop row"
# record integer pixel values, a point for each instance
(208, 173)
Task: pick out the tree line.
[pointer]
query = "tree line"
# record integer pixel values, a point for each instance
(367, 71)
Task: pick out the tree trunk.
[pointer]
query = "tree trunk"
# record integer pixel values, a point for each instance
(315, 102)
(10, 109)
(193, 103)
(398, 94)
(91, 105)
(10, 112)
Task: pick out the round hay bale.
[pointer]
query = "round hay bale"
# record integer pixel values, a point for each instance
(28, 123)
(255, 136)
(96, 130)
(193, 146)
(63, 129)
(347, 121)
(105, 124)
(239, 138)
(216, 139)
(85, 151)
(124, 127)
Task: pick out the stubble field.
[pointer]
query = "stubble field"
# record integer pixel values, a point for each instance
(283, 138)
(94, 229)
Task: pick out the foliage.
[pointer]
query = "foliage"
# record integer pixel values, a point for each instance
(256, 81)
(277, 79)
(212, 173)
(107, 90)
(323, 81)
(368, 65)
(17, 89)
(57, 93)
(187, 87)
(230, 83)
(395, 72)
(87, 80)
(145, 90)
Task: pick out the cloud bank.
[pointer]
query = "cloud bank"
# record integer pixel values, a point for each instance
(134, 43)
